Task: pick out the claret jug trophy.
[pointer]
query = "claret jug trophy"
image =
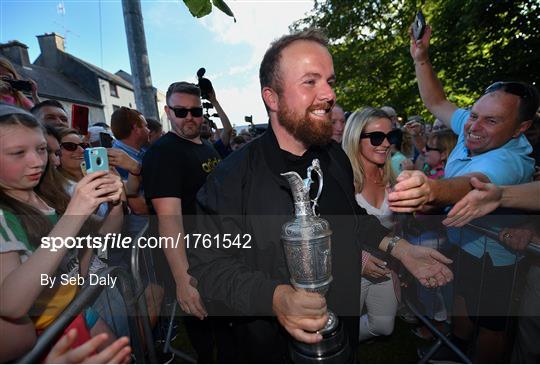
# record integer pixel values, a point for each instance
(307, 243)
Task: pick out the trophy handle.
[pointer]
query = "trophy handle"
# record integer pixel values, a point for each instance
(315, 166)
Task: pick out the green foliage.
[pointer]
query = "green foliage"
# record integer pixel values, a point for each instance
(200, 8)
(474, 43)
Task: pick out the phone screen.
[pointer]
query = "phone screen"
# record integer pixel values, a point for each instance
(79, 118)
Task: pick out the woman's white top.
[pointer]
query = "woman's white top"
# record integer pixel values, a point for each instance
(383, 214)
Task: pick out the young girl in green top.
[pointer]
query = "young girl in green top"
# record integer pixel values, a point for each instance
(24, 219)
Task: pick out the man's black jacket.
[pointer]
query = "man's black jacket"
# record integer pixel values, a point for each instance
(245, 194)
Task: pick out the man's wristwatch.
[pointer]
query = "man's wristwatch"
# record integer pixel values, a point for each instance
(392, 243)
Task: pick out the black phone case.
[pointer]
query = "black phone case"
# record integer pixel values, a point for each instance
(419, 26)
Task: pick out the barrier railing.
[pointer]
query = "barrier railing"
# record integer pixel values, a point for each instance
(441, 339)
(143, 270)
(141, 299)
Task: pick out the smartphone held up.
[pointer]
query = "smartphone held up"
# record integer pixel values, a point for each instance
(419, 25)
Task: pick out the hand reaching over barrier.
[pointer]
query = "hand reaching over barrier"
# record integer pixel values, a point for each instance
(116, 353)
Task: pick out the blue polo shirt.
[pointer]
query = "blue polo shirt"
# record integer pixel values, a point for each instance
(509, 164)
(132, 152)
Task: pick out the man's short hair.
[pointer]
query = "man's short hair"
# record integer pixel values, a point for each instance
(529, 99)
(154, 125)
(51, 102)
(182, 87)
(269, 70)
(123, 120)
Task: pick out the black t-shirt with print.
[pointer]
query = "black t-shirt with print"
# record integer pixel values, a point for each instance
(176, 167)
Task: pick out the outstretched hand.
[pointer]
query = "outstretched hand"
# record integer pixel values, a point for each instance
(426, 264)
(484, 199)
(116, 353)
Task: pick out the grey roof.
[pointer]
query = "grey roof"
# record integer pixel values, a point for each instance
(125, 75)
(102, 73)
(54, 85)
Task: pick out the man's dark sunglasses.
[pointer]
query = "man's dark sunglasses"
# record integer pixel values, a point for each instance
(377, 138)
(183, 112)
(432, 149)
(514, 88)
(71, 146)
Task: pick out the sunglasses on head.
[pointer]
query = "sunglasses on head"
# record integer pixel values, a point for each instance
(183, 112)
(377, 138)
(71, 146)
(514, 88)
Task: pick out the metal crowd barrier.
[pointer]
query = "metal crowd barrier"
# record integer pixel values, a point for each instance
(85, 298)
(443, 339)
(142, 267)
(140, 297)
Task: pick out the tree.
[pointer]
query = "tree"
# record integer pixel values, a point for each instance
(474, 43)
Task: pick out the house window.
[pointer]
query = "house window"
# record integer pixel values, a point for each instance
(115, 108)
(114, 89)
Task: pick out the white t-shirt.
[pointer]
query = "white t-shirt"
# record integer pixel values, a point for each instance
(383, 214)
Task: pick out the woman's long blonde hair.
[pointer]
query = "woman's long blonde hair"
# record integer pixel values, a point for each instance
(351, 145)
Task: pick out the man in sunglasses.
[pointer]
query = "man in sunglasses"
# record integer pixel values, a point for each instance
(491, 147)
(247, 197)
(174, 168)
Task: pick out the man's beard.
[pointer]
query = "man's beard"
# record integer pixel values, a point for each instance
(311, 132)
(187, 133)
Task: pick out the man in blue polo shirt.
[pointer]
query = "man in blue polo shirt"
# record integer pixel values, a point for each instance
(131, 132)
(491, 146)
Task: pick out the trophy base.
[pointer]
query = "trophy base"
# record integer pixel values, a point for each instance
(334, 348)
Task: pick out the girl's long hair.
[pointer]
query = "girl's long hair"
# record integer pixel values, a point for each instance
(53, 185)
(34, 222)
(351, 145)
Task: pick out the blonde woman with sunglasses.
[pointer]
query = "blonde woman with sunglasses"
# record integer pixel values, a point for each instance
(367, 140)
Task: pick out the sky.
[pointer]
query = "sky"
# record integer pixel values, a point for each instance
(178, 44)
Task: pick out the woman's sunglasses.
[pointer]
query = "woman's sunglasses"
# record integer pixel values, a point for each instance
(71, 146)
(377, 138)
(182, 112)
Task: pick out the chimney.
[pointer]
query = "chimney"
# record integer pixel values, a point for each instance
(15, 52)
(50, 44)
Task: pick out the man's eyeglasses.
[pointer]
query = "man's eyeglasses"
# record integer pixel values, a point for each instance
(183, 112)
(511, 87)
(432, 149)
(71, 146)
(377, 138)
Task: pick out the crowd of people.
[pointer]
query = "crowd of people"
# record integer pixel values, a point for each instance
(238, 303)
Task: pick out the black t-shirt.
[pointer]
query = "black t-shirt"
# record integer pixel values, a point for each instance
(176, 167)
